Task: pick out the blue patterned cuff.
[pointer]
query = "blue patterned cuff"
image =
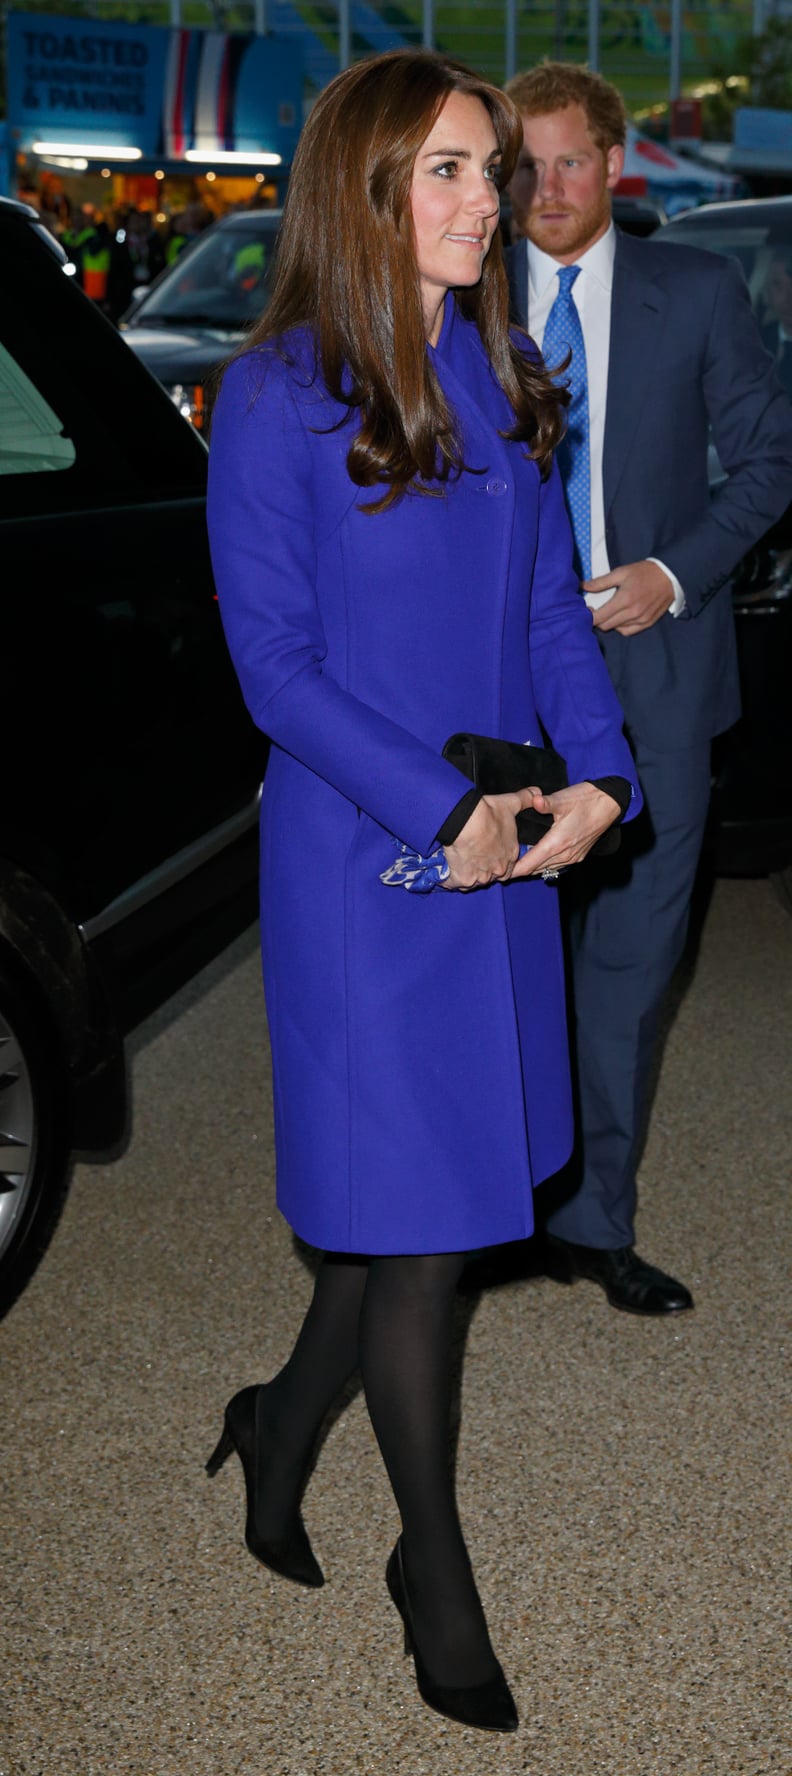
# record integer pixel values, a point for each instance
(421, 874)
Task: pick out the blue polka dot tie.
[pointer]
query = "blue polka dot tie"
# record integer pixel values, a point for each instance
(563, 333)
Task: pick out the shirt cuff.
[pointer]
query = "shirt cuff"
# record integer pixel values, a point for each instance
(679, 601)
(617, 787)
(459, 816)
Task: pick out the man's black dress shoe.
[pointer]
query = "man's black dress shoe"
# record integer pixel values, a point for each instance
(629, 1282)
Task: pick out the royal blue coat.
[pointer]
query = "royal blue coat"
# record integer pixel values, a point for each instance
(419, 1045)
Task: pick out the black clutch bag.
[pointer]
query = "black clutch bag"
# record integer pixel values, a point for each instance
(499, 766)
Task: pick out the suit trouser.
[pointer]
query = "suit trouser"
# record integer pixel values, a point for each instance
(628, 921)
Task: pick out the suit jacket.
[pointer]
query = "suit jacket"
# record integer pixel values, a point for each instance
(686, 361)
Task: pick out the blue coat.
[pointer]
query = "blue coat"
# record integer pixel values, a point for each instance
(420, 1060)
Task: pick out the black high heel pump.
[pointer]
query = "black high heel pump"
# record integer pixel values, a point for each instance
(244, 1430)
(488, 1705)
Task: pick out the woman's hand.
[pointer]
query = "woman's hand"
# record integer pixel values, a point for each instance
(487, 848)
(581, 814)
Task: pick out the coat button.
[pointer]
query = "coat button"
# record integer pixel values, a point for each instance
(496, 486)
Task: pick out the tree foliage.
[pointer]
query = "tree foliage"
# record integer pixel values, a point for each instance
(768, 65)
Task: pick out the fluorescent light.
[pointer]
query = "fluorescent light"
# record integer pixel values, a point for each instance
(231, 157)
(88, 150)
(70, 161)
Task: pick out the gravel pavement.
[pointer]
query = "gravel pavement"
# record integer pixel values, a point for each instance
(624, 1483)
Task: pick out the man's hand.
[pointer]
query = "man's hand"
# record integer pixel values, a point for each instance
(643, 595)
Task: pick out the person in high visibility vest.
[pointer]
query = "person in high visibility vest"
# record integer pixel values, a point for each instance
(88, 242)
(176, 240)
(96, 255)
(77, 237)
(184, 226)
(249, 265)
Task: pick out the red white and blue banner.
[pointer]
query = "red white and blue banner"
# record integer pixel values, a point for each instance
(78, 81)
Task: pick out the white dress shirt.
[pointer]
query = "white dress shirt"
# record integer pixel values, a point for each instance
(591, 294)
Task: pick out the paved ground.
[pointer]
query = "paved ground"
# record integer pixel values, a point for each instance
(625, 1484)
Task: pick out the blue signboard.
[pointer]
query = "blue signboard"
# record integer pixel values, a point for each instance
(167, 93)
(757, 128)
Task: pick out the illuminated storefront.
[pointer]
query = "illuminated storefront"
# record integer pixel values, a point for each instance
(141, 114)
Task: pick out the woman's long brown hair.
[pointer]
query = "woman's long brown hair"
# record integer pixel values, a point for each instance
(346, 269)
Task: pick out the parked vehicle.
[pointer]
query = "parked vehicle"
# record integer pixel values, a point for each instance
(637, 215)
(132, 770)
(196, 313)
(752, 801)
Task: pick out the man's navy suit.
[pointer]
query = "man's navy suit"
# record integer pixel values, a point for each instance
(686, 360)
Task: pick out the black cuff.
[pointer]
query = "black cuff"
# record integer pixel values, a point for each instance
(459, 816)
(618, 788)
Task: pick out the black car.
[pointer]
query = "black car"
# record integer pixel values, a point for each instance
(132, 775)
(637, 215)
(752, 801)
(196, 313)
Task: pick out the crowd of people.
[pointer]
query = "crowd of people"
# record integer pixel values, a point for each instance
(118, 251)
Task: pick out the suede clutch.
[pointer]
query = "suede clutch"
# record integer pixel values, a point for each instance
(499, 766)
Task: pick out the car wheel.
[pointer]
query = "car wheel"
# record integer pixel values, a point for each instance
(34, 1133)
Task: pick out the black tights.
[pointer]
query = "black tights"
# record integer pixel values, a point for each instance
(392, 1318)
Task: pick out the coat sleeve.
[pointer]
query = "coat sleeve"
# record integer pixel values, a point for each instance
(575, 699)
(262, 500)
(751, 420)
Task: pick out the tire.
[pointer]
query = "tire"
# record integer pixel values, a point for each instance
(34, 1131)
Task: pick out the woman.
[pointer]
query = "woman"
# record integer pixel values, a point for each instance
(384, 519)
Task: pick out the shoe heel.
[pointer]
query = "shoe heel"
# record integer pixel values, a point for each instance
(292, 1557)
(221, 1453)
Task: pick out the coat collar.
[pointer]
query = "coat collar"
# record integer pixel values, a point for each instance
(460, 358)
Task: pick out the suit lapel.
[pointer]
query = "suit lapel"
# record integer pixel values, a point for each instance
(638, 308)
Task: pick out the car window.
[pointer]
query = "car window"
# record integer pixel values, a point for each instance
(75, 399)
(762, 248)
(31, 435)
(222, 281)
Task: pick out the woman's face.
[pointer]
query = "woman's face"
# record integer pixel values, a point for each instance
(454, 201)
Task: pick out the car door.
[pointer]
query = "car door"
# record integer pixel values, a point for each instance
(126, 739)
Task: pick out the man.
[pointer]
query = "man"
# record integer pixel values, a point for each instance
(664, 348)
